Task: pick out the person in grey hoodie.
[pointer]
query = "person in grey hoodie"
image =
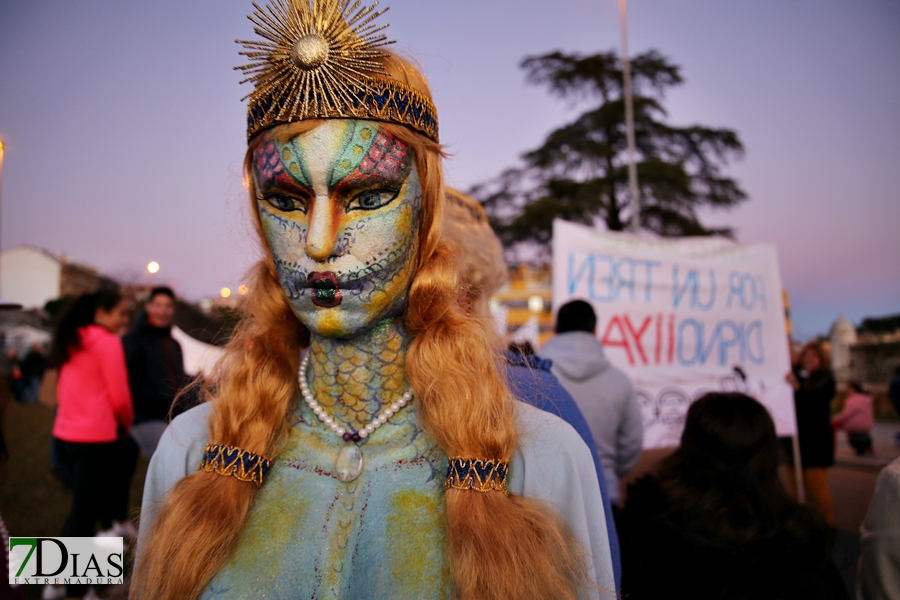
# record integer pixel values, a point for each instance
(603, 393)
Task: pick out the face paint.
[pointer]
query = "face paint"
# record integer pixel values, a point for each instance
(339, 207)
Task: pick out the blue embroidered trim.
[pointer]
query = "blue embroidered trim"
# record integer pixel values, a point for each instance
(479, 474)
(381, 100)
(231, 461)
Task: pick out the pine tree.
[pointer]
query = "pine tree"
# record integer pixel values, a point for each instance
(580, 173)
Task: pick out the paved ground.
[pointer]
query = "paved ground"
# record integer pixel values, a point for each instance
(852, 480)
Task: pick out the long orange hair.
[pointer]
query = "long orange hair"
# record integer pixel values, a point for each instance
(498, 546)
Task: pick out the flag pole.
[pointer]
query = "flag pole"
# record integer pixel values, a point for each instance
(634, 198)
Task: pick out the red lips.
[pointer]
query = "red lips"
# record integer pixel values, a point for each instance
(324, 292)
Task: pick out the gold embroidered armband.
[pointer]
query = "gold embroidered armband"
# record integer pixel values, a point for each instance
(234, 462)
(479, 474)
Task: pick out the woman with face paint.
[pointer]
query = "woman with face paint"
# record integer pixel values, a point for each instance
(358, 439)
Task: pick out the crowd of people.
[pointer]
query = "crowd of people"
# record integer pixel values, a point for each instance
(712, 517)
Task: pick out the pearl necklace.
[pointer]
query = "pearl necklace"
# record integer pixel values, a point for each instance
(349, 462)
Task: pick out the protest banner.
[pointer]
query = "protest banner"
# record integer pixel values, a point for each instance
(681, 317)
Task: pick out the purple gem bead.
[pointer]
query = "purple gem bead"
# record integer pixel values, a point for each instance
(355, 437)
(348, 436)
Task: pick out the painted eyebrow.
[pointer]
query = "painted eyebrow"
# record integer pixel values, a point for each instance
(264, 192)
(283, 182)
(358, 180)
(354, 182)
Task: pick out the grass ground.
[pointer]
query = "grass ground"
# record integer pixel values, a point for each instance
(32, 501)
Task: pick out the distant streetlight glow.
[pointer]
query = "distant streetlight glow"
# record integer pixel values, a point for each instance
(225, 292)
(633, 190)
(1, 173)
(243, 289)
(152, 266)
(2, 147)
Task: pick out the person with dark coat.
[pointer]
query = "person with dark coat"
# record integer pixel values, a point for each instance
(12, 372)
(155, 368)
(715, 523)
(33, 367)
(814, 389)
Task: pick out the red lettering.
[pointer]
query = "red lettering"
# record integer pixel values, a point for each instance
(622, 341)
(659, 341)
(671, 356)
(638, 335)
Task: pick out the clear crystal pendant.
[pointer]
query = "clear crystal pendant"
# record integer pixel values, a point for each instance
(349, 463)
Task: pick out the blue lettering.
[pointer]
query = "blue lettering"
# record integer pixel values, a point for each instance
(761, 291)
(624, 282)
(611, 293)
(706, 349)
(621, 274)
(572, 279)
(648, 285)
(734, 287)
(678, 294)
(758, 357)
(692, 283)
(746, 341)
(747, 289)
(712, 293)
(737, 334)
(698, 341)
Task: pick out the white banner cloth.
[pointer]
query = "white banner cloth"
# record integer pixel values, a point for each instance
(682, 317)
(199, 357)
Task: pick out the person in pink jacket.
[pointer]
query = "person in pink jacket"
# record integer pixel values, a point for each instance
(857, 419)
(94, 412)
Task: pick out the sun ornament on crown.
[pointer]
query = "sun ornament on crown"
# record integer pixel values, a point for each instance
(319, 59)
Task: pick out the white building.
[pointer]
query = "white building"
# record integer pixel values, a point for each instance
(29, 276)
(842, 337)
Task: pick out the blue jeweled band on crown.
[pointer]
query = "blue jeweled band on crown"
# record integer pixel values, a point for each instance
(234, 462)
(379, 100)
(479, 474)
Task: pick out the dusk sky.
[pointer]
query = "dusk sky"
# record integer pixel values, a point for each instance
(125, 131)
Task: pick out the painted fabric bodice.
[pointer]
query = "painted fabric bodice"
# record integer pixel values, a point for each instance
(386, 539)
(310, 535)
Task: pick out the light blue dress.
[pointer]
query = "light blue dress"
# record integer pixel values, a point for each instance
(382, 535)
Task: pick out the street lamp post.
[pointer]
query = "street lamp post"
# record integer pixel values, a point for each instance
(633, 192)
(4, 305)
(2, 149)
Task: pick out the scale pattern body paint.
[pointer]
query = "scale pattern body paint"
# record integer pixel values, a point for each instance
(310, 535)
(382, 535)
(352, 379)
(339, 209)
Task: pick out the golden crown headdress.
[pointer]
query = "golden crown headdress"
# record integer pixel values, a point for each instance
(319, 60)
